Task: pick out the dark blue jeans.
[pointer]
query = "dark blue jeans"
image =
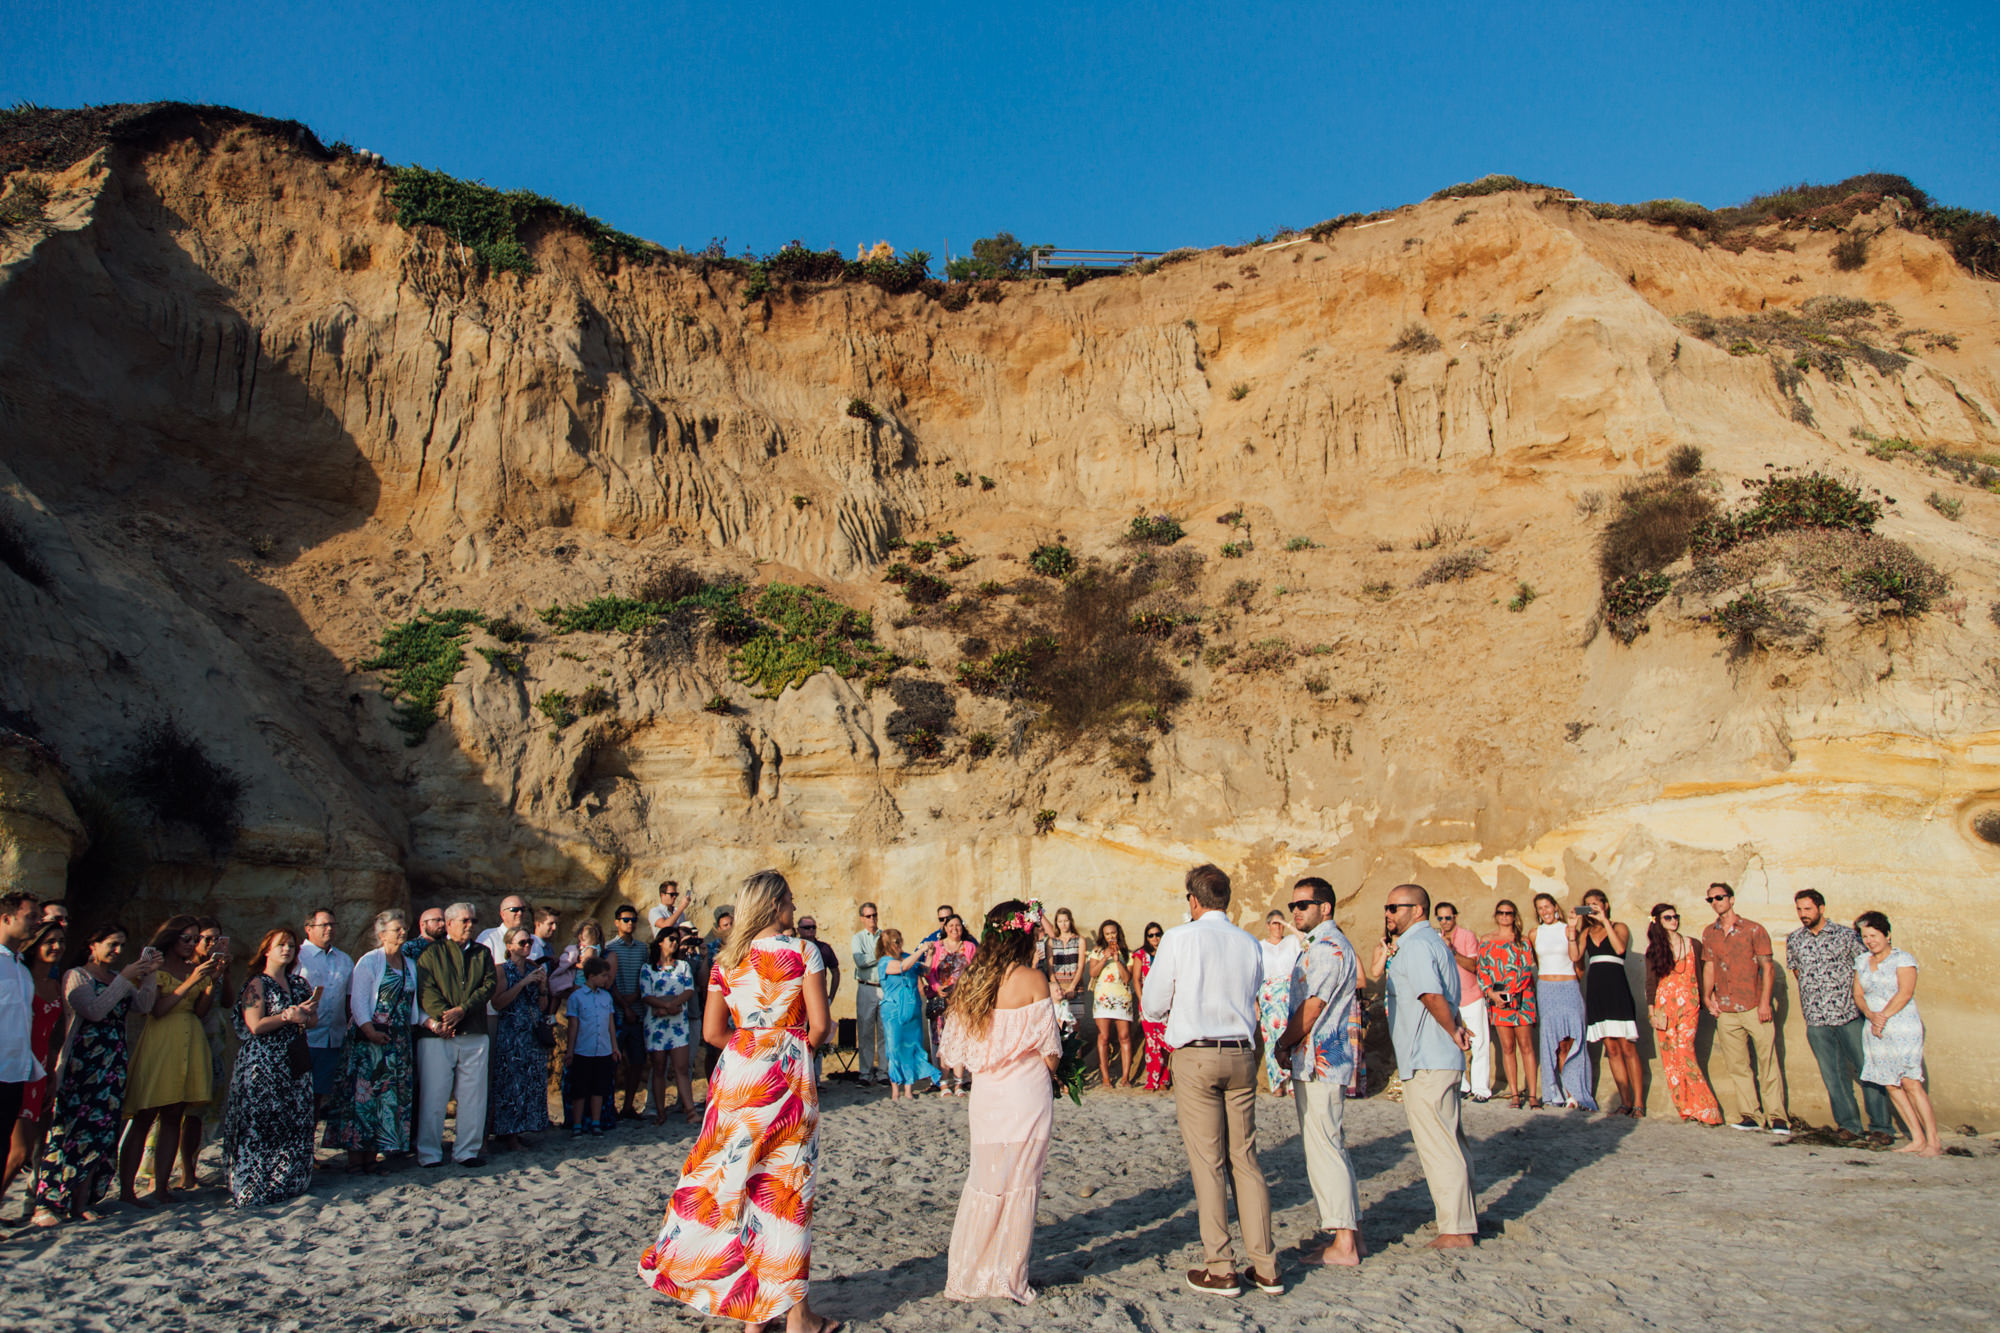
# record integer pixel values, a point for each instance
(1838, 1051)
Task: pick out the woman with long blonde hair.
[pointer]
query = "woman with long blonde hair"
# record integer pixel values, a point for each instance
(736, 1242)
(1001, 1025)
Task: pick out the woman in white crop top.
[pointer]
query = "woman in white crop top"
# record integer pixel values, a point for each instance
(1565, 1055)
(1552, 939)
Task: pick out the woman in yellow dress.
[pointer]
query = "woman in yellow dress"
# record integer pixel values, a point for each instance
(171, 1067)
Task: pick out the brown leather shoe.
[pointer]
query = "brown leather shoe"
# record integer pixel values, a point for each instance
(1270, 1286)
(1200, 1279)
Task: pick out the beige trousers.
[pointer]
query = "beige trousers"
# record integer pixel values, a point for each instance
(1430, 1100)
(1215, 1097)
(1737, 1037)
(1328, 1167)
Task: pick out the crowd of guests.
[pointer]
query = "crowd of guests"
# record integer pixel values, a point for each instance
(1533, 999)
(109, 1054)
(736, 1238)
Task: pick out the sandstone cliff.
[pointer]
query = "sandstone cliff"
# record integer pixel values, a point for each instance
(248, 422)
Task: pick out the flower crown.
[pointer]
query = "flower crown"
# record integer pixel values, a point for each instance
(1029, 918)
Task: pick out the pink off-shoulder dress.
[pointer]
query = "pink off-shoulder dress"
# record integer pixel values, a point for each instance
(1011, 1118)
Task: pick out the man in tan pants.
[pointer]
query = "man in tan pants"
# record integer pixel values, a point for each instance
(1203, 986)
(1430, 1044)
(1737, 977)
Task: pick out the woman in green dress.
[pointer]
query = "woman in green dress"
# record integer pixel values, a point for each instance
(382, 1002)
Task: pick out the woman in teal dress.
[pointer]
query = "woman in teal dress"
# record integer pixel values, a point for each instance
(382, 1002)
(902, 1018)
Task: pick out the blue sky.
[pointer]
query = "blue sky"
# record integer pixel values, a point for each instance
(1118, 125)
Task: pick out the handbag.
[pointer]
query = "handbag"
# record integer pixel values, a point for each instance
(545, 1033)
(934, 1007)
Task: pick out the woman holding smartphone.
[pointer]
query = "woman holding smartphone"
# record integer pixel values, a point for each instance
(267, 1131)
(171, 1068)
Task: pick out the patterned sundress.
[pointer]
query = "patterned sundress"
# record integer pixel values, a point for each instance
(1159, 1065)
(384, 1097)
(1899, 1052)
(736, 1242)
(519, 1096)
(267, 1139)
(85, 1114)
(1508, 966)
(665, 1032)
(1675, 993)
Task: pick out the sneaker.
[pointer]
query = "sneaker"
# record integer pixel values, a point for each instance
(1270, 1286)
(1200, 1279)
(1746, 1123)
(1780, 1127)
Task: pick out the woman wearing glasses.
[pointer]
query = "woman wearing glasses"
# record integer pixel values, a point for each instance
(1159, 1074)
(1507, 980)
(1673, 961)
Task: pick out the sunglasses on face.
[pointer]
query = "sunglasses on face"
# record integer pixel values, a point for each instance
(1670, 916)
(1306, 904)
(1397, 907)
(1719, 898)
(1498, 915)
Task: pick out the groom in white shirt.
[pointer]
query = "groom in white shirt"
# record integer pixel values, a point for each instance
(1203, 986)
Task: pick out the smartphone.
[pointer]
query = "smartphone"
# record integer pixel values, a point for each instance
(149, 954)
(317, 992)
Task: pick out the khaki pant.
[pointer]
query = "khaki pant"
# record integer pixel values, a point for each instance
(1737, 1038)
(1430, 1100)
(1328, 1167)
(1215, 1097)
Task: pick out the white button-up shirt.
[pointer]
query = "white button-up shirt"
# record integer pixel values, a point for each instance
(17, 1015)
(1203, 982)
(331, 970)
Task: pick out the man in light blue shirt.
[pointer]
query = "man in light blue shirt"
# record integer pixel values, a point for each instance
(1430, 1044)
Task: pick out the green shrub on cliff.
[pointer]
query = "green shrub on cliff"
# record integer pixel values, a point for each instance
(802, 631)
(492, 224)
(421, 656)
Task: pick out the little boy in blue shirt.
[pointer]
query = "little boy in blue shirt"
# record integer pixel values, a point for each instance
(590, 1068)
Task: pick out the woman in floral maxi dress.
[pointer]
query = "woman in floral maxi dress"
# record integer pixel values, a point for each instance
(267, 1128)
(79, 1158)
(382, 1003)
(1673, 963)
(736, 1242)
(1159, 1063)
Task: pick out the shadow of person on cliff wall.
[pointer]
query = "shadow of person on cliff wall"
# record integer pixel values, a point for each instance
(185, 444)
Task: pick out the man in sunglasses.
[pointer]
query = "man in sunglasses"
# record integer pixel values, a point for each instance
(863, 946)
(1316, 1043)
(1737, 975)
(1430, 1044)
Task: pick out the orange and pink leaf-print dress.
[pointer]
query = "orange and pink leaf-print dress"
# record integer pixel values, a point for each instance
(736, 1242)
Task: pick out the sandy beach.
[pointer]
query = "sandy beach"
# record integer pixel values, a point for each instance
(1592, 1221)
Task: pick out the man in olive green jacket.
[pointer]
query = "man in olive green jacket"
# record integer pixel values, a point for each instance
(454, 981)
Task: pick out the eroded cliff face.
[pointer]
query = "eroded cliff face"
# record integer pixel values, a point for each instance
(226, 347)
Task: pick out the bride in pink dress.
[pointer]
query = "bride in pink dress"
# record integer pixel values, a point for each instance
(1002, 1027)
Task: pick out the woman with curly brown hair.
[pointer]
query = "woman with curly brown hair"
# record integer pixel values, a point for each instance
(1001, 1025)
